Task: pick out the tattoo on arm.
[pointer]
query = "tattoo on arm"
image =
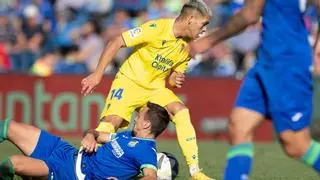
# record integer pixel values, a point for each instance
(248, 15)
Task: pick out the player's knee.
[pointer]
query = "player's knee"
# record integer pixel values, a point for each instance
(12, 124)
(17, 164)
(294, 148)
(295, 144)
(293, 151)
(176, 107)
(237, 132)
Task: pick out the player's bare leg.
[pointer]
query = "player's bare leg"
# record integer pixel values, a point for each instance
(241, 127)
(27, 166)
(25, 137)
(299, 145)
(186, 138)
(295, 144)
(110, 123)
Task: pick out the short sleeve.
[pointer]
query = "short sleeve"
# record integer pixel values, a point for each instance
(141, 34)
(147, 158)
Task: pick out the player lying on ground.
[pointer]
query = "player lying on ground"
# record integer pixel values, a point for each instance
(279, 86)
(159, 51)
(123, 156)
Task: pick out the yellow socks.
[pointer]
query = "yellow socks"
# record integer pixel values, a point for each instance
(187, 139)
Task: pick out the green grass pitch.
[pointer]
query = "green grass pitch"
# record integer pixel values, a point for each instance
(269, 163)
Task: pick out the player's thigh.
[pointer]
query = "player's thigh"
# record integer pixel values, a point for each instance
(123, 98)
(62, 161)
(290, 98)
(49, 145)
(27, 166)
(252, 95)
(24, 136)
(58, 155)
(166, 98)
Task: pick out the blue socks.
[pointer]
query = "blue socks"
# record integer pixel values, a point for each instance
(239, 162)
(312, 156)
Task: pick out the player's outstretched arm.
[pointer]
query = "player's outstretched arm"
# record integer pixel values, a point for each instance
(248, 15)
(91, 81)
(149, 174)
(316, 3)
(109, 52)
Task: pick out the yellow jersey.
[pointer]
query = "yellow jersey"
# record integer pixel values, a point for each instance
(156, 53)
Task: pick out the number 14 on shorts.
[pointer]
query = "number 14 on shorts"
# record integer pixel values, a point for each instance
(116, 93)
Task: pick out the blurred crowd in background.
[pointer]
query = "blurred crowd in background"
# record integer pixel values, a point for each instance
(46, 37)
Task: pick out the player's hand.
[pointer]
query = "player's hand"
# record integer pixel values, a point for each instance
(89, 83)
(177, 79)
(89, 143)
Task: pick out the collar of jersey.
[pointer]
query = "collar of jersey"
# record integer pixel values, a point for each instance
(145, 139)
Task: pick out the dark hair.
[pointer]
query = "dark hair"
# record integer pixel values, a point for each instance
(159, 118)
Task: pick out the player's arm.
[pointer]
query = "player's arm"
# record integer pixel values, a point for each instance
(89, 83)
(93, 138)
(248, 15)
(130, 38)
(149, 174)
(109, 52)
(316, 3)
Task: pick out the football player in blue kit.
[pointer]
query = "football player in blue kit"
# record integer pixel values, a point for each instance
(279, 86)
(123, 155)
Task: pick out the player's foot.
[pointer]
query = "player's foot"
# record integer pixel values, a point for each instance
(200, 176)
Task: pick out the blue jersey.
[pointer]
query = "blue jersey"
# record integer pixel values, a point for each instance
(284, 37)
(124, 158)
(279, 86)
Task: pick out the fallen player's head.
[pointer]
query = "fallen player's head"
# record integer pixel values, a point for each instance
(196, 14)
(151, 120)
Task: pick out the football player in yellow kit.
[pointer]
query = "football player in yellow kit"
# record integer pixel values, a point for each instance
(160, 50)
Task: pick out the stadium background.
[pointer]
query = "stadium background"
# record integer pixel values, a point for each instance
(47, 46)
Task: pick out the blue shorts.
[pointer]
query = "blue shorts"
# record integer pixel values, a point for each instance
(283, 94)
(58, 155)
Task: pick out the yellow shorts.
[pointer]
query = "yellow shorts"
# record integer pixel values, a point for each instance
(125, 96)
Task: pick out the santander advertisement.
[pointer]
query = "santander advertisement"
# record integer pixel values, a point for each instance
(56, 105)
